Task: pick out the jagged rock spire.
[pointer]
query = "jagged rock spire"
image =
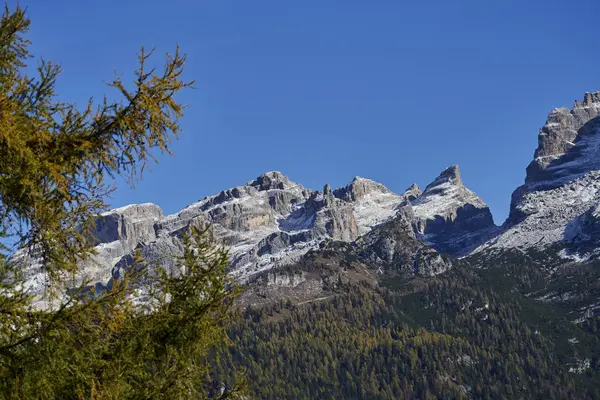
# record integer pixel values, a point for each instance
(556, 205)
(450, 177)
(412, 192)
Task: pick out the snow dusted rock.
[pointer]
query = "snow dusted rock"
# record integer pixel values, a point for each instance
(450, 217)
(546, 217)
(558, 204)
(320, 217)
(333, 217)
(252, 220)
(341, 214)
(582, 235)
(359, 189)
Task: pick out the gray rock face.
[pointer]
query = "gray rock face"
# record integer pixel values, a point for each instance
(359, 189)
(568, 146)
(450, 217)
(371, 202)
(557, 141)
(130, 225)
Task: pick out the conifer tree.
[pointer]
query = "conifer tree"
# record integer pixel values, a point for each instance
(56, 166)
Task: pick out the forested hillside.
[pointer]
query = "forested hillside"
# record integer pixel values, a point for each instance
(463, 334)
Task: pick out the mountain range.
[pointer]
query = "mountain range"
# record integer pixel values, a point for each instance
(272, 221)
(402, 266)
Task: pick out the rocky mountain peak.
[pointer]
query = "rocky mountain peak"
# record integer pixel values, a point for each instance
(450, 217)
(372, 203)
(271, 180)
(556, 205)
(359, 188)
(589, 100)
(448, 178)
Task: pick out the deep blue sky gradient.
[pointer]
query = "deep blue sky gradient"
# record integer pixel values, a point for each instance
(325, 90)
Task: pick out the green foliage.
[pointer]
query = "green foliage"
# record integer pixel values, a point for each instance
(149, 335)
(459, 335)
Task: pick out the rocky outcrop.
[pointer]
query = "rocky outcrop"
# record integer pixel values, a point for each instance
(130, 225)
(450, 217)
(583, 232)
(332, 217)
(395, 248)
(359, 189)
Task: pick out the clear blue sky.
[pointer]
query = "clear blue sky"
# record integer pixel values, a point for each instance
(325, 90)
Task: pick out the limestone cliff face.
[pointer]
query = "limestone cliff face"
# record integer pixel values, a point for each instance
(129, 225)
(412, 192)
